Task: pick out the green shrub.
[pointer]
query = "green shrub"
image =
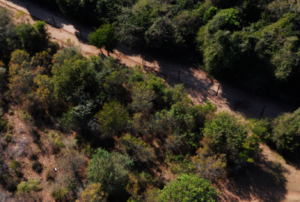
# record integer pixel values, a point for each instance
(209, 14)
(112, 119)
(209, 165)
(227, 135)
(25, 116)
(136, 148)
(32, 185)
(34, 38)
(10, 182)
(14, 165)
(3, 124)
(173, 143)
(188, 188)
(179, 163)
(56, 140)
(111, 170)
(262, 128)
(104, 37)
(88, 150)
(59, 193)
(227, 19)
(286, 132)
(93, 193)
(8, 138)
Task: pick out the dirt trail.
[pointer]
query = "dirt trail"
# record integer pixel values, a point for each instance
(200, 88)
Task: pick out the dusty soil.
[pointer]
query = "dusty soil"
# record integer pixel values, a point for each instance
(271, 178)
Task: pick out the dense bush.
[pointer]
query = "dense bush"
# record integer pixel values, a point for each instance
(136, 148)
(92, 193)
(209, 165)
(34, 38)
(58, 193)
(3, 124)
(111, 170)
(188, 188)
(32, 185)
(14, 165)
(104, 37)
(227, 135)
(112, 119)
(286, 132)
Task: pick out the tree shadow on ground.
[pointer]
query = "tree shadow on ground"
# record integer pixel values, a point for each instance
(262, 181)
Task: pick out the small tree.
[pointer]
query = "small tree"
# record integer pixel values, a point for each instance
(227, 135)
(29, 186)
(104, 37)
(92, 193)
(136, 148)
(142, 98)
(111, 170)
(112, 119)
(286, 132)
(209, 165)
(173, 143)
(188, 188)
(34, 38)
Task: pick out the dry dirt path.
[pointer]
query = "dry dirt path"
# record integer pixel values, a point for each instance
(200, 88)
(198, 84)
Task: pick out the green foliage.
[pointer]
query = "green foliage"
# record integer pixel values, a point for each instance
(188, 188)
(34, 38)
(70, 77)
(262, 128)
(227, 19)
(112, 119)
(59, 193)
(32, 185)
(210, 13)
(138, 183)
(6, 32)
(286, 132)
(14, 165)
(173, 143)
(179, 163)
(136, 148)
(3, 124)
(111, 170)
(8, 138)
(104, 37)
(88, 150)
(227, 135)
(56, 139)
(92, 193)
(208, 164)
(142, 98)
